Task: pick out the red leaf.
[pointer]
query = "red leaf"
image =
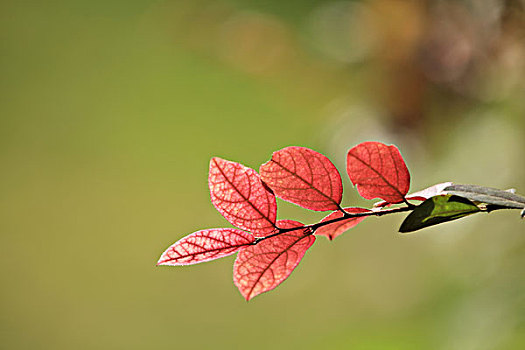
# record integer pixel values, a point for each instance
(304, 177)
(262, 267)
(333, 230)
(239, 195)
(205, 245)
(378, 171)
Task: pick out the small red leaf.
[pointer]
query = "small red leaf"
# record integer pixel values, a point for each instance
(331, 231)
(262, 267)
(304, 177)
(378, 171)
(239, 195)
(205, 245)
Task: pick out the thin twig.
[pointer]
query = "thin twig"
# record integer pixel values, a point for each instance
(313, 227)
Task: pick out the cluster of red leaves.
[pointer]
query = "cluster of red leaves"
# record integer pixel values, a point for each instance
(269, 250)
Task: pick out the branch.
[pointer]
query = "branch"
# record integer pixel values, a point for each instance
(313, 227)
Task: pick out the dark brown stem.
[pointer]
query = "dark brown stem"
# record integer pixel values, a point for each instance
(410, 205)
(340, 208)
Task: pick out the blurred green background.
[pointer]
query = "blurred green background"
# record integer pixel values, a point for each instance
(111, 110)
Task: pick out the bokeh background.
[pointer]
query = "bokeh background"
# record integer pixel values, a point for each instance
(111, 110)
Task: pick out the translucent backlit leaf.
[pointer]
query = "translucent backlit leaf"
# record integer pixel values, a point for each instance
(333, 230)
(239, 195)
(304, 177)
(262, 267)
(205, 245)
(437, 210)
(378, 171)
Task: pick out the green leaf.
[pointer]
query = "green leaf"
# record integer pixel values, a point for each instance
(497, 199)
(436, 210)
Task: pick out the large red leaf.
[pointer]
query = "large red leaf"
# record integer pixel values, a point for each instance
(205, 245)
(304, 177)
(333, 230)
(239, 195)
(262, 267)
(378, 171)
